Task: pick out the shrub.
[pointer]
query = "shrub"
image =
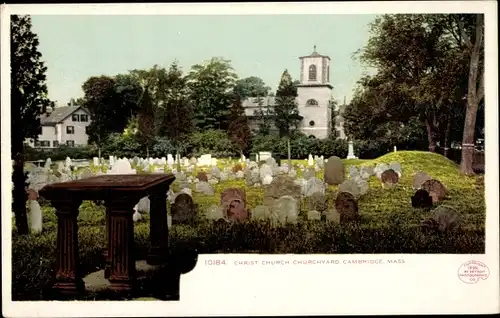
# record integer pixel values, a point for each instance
(123, 145)
(161, 147)
(215, 142)
(60, 153)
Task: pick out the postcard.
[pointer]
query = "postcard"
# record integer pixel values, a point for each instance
(249, 159)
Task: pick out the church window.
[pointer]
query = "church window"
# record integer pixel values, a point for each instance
(311, 123)
(312, 102)
(312, 72)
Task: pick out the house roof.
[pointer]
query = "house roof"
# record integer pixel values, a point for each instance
(254, 101)
(59, 114)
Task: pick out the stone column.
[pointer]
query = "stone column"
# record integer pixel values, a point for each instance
(68, 275)
(121, 258)
(158, 253)
(105, 253)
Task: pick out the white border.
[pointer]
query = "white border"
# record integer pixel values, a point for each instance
(424, 284)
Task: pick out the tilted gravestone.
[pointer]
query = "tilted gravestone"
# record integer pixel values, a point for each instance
(443, 219)
(419, 178)
(435, 189)
(334, 171)
(347, 206)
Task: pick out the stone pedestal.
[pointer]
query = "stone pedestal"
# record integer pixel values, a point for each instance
(120, 193)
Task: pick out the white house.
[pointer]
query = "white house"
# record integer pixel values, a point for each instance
(314, 96)
(63, 126)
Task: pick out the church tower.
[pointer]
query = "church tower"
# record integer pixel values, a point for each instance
(314, 94)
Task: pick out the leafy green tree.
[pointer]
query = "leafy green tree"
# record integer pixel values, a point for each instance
(28, 102)
(211, 85)
(176, 113)
(420, 72)
(145, 121)
(104, 105)
(286, 110)
(238, 130)
(251, 87)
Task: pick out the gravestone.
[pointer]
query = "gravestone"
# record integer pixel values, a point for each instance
(350, 186)
(389, 178)
(267, 180)
(419, 178)
(435, 189)
(334, 171)
(350, 150)
(263, 155)
(362, 185)
(215, 212)
(287, 208)
(183, 210)
(366, 172)
(347, 206)
(313, 215)
(396, 166)
(380, 168)
(215, 172)
(204, 188)
(281, 186)
(265, 170)
(35, 217)
(313, 185)
(353, 172)
(308, 173)
(421, 199)
(260, 213)
(443, 219)
(233, 202)
(202, 176)
(86, 173)
(317, 201)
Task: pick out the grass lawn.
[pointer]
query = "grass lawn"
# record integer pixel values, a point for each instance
(388, 224)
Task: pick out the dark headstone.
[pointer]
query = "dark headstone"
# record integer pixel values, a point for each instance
(347, 206)
(435, 189)
(443, 219)
(389, 177)
(334, 171)
(183, 209)
(421, 199)
(202, 176)
(277, 158)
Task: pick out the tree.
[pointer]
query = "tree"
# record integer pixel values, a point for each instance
(286, 111)
(28, 102)
(238, 130)
(264, 116)
(251, 87)
(105, 107)
(419, 73)
(177, 110)
(211, 85)
(475, 88)
(145, 121)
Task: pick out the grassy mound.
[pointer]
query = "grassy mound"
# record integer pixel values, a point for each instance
(388, 225)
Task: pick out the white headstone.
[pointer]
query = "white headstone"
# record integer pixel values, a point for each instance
(350, 151)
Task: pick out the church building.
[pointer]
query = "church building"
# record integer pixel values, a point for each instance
(314, 95)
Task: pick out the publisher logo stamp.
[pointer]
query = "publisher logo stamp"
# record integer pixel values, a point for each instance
(473, 271)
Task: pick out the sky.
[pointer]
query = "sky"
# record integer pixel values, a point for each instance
(76, 47)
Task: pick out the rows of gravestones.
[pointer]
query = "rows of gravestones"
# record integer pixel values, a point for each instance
(283, 190)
